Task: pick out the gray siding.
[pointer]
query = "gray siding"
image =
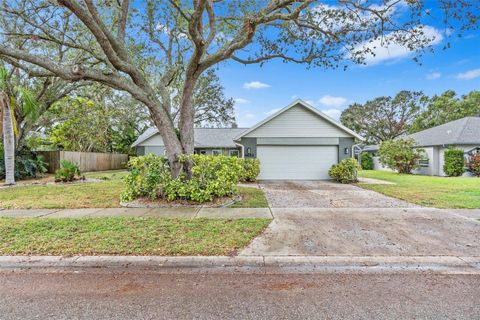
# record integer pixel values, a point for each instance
(140, 151)
(156, 150)
(297, 122)
(249, 143)
(345, 143)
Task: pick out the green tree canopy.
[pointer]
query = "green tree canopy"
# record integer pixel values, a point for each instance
(384, 118)
(447, 107)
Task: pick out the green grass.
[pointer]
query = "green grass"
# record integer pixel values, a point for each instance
(438, 192)
(251, 198)
(104, 194)
(126, 236)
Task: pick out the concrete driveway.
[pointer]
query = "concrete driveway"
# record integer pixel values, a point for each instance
(322, 218)
(368, 232)
(325, 194)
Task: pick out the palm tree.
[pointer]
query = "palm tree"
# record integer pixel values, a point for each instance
(8, 139)
(10, 97)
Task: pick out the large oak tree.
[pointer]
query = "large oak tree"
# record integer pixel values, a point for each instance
(144, 47)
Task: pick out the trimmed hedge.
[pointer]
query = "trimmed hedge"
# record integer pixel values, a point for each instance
(345, 172)
(212, 176)
(366, 161)
(454, 164)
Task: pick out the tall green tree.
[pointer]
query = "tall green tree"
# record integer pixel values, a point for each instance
(384, 118)
(447, 107)
(144, 49)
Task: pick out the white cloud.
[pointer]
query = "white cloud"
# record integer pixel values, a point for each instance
(386, 49)
(332, 101)
(255, 85)
(469, 75)
(249, 115)
(333, 113)
(433, 75)
(241, 101)
(269, 113)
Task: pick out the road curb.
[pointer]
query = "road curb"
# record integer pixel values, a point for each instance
(248, 264)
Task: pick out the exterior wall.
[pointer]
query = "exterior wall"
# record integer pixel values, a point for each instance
(155, 140)
(140, 151)
(441, 156)
(156, 150)
(249, 144)
(345, 145)
(432, 163)
(378, 166)
(297, 122)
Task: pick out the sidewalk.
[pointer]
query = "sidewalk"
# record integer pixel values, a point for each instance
(179, 212)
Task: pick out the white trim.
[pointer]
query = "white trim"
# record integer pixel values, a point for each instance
(309, 107)
(136, 143)
(219, 152)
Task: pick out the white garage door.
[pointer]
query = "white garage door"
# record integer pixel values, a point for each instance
(296, 162)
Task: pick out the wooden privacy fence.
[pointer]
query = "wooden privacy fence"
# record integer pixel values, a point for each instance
(87, 161)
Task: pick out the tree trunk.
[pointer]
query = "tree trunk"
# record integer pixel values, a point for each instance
(8, 140)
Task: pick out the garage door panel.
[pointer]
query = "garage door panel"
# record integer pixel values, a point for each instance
(296, 162)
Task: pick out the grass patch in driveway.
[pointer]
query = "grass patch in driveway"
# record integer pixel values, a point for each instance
(251, 198)
(429, 191)
(126, 236)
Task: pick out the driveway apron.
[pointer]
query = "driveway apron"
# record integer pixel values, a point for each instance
(329, 219)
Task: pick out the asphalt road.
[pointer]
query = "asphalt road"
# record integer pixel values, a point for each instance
(97, 294)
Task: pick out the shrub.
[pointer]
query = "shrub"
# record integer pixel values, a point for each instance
(366, 161)
(27, 165)
(400, 155)
(211, 176)
(251, 169)
(474, 164)
(68, 171)
(454, 164)
(345, 172)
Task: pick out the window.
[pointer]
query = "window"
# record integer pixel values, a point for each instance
(216, 152)
(203, 151)
(234, 153)
(423, 162)
(346, 150)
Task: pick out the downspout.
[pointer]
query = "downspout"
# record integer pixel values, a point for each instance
(357, 146)
(241, 147)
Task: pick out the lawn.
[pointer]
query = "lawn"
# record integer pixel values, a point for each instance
(104, 194)
(438, 192)
(126, 236)
(251, 198)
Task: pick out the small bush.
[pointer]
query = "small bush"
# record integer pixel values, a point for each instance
(212, 176)
(454, 163)
(27, 165)
(366, 161)
(400, 155)
(68, 171)
(251, 169)
(474, 164)
(345, 172)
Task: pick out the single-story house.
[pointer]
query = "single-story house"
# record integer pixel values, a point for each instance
(297, 142)
(461, 134)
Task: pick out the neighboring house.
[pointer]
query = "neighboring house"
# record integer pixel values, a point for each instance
(462, 134)
(296, 143)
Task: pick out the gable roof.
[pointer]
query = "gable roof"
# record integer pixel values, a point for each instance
(308, 107)
(461, 131)
(203, 137)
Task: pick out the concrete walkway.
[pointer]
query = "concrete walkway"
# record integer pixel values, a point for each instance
(179, 212)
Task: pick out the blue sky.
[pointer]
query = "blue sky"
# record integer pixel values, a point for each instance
(259, 91)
